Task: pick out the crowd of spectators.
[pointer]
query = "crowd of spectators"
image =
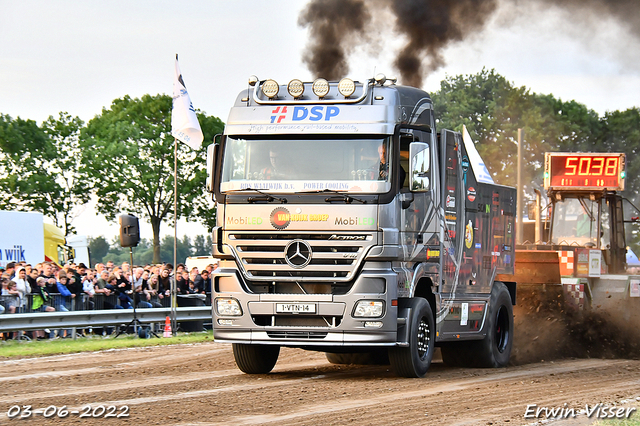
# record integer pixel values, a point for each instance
(46, 287)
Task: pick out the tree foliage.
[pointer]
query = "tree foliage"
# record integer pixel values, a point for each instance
(493, 109)
(40, 166)
(72, 189)
(128, 157)
(99, 247)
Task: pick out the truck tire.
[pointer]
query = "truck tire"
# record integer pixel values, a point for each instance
(495, 349)
(414, 361)
(255, 359)
(376, 357)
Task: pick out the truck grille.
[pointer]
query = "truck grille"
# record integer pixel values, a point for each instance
(334, 257)
(297, 334)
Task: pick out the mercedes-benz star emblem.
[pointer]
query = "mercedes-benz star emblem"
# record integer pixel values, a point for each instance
(297, 254)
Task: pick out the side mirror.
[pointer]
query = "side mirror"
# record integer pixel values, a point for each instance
(420, 170)
(212, 153)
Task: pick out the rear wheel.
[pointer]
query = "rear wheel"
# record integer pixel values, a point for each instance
(414, 361)
(255, 359)
(495, 348)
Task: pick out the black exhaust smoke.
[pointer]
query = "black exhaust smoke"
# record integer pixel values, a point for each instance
(429, 26)
(334, 25)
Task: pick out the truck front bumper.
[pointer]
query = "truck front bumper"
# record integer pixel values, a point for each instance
(331, 320)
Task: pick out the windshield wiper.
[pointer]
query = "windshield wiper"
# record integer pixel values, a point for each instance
(341, 196)
(265, 196)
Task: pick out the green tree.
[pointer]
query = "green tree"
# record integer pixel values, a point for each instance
(40, 168)
(128, 156)
(72, 190)
(25, 181)
(99, 247)
(622, 134)
(202, 246)
(184, 249)
(493, 109)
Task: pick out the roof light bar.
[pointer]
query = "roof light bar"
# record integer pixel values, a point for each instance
(346, 87)
(270, 88)
(320, 87)
(295, 88)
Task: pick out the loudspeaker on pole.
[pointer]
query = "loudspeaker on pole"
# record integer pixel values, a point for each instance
(129, 230)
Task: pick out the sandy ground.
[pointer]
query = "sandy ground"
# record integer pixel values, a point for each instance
(199, 385)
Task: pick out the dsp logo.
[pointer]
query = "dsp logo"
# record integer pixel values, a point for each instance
(301, 113)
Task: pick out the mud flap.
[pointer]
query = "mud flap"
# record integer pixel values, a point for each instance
(405, 315)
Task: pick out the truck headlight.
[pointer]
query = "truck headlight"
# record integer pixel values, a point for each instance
(227, 306)
(369, 308)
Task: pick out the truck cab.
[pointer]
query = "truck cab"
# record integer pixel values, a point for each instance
(347, 224)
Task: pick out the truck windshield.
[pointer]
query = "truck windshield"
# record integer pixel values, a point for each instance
(359, 165)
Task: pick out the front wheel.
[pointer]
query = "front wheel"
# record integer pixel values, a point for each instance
(414, 360)
(255, 359)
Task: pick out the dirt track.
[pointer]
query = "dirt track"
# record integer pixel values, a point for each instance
(199, 384)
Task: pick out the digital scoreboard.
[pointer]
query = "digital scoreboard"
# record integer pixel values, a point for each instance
(584, 171)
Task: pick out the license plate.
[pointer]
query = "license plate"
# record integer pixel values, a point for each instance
(295, 308)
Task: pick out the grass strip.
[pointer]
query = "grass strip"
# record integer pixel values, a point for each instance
(23, 349)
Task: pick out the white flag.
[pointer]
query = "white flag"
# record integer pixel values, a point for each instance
(184, 122)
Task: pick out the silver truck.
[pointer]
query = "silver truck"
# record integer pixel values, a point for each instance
(347, 224)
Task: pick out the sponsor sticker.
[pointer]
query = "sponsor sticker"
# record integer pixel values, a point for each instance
(451, 201)
(280, 218)
(468, 235)
(471, 194)
(432, 253)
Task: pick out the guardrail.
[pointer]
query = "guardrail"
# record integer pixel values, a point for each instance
(112, 317)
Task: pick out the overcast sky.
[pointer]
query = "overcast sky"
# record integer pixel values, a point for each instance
(77, 57)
